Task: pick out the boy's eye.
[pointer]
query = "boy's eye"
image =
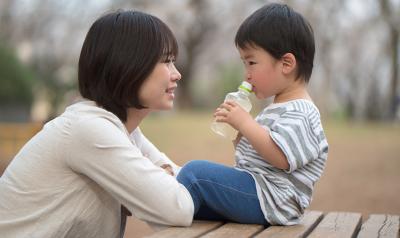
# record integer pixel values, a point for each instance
(249, 62)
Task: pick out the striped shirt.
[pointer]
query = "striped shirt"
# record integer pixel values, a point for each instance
(295, 126)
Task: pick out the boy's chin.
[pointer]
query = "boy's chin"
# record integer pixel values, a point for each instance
(260, 97)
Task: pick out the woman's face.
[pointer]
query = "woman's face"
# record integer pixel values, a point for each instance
(157, 91)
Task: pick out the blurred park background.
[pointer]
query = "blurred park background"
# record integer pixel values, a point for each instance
(355, 83)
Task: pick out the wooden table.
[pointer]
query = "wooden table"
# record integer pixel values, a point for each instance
(314, 224)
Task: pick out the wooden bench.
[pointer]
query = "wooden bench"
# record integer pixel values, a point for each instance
(314, 224)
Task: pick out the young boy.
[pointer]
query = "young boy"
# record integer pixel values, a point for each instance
(282, 152)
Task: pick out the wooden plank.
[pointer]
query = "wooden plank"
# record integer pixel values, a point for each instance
(338, 224)
(385, 226)
(198, 228)
(307, 224)
(235, 230)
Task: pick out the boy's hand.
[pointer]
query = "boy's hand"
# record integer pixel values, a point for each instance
(236, 141)
(230, 112)
(168, 169)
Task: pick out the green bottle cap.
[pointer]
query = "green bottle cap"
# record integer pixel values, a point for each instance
(246, 86)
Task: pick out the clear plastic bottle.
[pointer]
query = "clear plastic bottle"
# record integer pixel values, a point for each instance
(241, 97)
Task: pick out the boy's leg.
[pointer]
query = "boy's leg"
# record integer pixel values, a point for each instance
(223, 190)
(206, 213)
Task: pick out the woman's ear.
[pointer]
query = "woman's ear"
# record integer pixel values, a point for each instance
(289, 63)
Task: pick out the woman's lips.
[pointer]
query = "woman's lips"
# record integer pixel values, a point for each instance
(170, 91)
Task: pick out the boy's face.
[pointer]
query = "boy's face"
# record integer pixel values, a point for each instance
(263, 71)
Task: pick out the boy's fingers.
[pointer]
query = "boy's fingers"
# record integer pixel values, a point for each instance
(231, 103)
(220, 119)
(226, 106)
(222, 106)
(222, 113)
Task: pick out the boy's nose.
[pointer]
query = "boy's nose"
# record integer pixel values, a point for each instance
(247, 76)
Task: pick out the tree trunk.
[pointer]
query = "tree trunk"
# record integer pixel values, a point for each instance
(394, 81)
(390, 17)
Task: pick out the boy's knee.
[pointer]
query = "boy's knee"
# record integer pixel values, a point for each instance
(191, 170)
(195, 165)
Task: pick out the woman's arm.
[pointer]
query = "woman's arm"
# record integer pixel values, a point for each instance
(150, 151)
(104, 153)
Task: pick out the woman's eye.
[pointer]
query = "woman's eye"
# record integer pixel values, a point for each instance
(252, 62)
(170, 63)
(169, 59)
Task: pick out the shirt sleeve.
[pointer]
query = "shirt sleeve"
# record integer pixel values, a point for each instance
(150, 151)
(104, 153)
(294, 135)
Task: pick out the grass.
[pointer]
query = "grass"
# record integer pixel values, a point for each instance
(187, 136)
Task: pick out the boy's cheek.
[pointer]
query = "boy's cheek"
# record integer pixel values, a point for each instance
(259, 96)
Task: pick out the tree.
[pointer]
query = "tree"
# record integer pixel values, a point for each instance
(16, 82)
(196, 35)
(50, 33)
(390, 15)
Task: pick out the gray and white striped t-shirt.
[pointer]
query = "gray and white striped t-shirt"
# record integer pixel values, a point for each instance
(296, 128)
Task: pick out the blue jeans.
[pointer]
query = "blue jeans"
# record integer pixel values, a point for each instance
(221, 193)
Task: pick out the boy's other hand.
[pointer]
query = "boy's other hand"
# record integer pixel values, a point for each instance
(230, 112)
(236, 141)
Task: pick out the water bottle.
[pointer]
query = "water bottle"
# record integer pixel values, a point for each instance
(241, 97)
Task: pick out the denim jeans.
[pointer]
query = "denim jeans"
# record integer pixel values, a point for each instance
(220, 192)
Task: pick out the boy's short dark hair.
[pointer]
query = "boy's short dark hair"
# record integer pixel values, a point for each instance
(278, 29)
(120, 51)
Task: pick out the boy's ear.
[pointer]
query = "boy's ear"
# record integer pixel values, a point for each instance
(289, 63)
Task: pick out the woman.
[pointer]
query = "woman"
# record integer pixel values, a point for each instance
(71, 179)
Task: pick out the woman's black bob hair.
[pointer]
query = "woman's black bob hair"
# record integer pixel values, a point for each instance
(120, 51)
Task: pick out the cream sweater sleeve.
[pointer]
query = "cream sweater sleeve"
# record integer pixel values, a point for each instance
(150, 151)
(102, 151)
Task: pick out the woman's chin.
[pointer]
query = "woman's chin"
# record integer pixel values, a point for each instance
(167, 106)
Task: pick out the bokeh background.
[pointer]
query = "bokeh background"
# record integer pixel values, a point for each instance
(355, 83)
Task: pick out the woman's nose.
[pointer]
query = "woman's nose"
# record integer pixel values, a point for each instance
(176, 76)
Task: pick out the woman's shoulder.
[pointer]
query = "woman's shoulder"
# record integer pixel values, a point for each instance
(86, 117)
(89, 110)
